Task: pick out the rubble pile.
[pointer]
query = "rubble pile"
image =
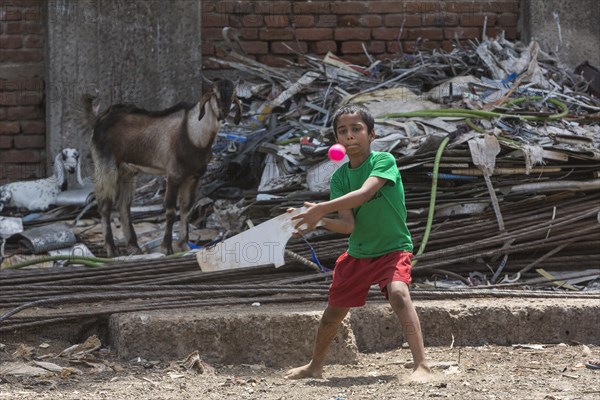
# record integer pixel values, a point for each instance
(498, 146)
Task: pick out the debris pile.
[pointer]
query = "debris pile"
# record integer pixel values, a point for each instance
(499, 150)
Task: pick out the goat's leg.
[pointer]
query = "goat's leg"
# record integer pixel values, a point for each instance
(170, 214)
(126, 193)
(104, 208)
(187, 196)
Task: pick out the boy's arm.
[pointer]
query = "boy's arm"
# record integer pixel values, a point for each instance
(343, 224)
(348, 201)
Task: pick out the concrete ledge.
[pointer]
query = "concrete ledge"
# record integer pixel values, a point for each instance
(282, 335)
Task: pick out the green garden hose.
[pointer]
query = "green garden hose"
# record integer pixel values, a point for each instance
(436, 167)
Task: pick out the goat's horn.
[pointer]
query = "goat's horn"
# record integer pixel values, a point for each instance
(203, 101)
(206, 80)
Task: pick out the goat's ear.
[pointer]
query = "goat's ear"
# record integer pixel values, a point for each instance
(238, 112)
(203, 101)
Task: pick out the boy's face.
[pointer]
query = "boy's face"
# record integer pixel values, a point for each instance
(353, 135)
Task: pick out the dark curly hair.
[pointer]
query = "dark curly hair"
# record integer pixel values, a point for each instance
(358, 109)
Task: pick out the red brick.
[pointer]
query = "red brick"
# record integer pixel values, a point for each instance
(208, 49)
(431, 45)
(230, 7)
(276, 21)
(371, 20)
(19, 172)
(465, 7)
(33, 127)
(388, 33)
(357, 59)
(21, 56)
(211, 6)
(426, 33)
(8, 98)
(315, 7)
(273, 7)
(20, 156)
(212, 34)
(252, 20)
(248, 33)
(302, 21)
(277, 34)
(502, 6)
(24, 113)
(373, 47)
(12, 28)
(385, 7)
(477, 19)
(255, 47)
(462, 33)
(9, 128)
(31, 98)
(6, 142)
(32, 14)
(393, 47)
(34, 42)
(213, 20)
(3, 115)
(323, 47)
(11, 42)
(422, 7)
(9, 13)
(32, 27)
(325, 21)
(14, 85)
(352, 34)
(349, 7)
(507, 20)
(30, 142)
(349, 21)
(402, 20)
(314, 34)
(440, 19)
(291, 48)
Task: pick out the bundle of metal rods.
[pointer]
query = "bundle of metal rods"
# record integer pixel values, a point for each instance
(33, 298)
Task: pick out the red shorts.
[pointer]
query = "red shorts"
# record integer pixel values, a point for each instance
(352, 277)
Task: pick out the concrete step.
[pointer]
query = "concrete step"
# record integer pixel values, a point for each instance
(282, 335)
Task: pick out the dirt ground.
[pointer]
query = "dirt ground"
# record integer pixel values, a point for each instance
(488, 372)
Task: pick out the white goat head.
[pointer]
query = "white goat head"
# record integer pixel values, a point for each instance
(39, 194)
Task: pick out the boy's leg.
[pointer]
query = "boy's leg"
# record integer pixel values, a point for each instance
(328, 327)
(402, 305)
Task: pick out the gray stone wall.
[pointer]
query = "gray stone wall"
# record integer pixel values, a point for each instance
(569, 29)
(146, 52)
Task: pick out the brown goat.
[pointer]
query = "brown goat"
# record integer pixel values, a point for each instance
(175, 143)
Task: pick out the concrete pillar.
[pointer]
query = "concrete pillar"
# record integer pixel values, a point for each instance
(568, 29)
(146, 52)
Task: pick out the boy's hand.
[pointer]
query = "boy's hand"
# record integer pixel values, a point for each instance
(310, 217)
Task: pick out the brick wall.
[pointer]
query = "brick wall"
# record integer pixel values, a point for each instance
(22, 115)
(270, 28)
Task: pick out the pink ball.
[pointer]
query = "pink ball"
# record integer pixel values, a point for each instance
(337, 152)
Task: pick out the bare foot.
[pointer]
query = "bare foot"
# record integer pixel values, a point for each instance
(421, 374)
(305, 371)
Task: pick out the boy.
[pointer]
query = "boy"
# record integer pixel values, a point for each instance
(368, 195)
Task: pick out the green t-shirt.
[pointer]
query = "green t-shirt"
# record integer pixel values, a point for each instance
(380, 223)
